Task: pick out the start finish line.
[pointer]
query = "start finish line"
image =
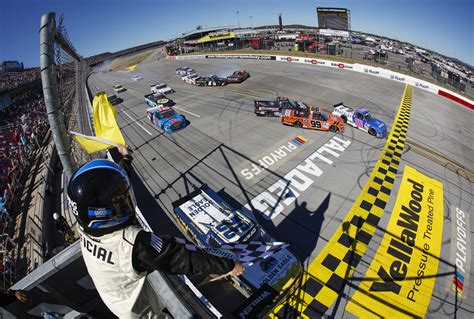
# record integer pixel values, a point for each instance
(401, 277)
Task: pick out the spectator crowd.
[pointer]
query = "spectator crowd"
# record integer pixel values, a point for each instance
(12, 80)
(23, 127)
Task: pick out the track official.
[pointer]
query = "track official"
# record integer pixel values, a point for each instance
(118, 253)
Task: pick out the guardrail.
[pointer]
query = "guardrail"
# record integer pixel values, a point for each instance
(357, 67)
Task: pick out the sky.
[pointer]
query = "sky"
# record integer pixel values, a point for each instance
(97, 26)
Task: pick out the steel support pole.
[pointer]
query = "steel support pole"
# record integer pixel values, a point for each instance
(50, 91)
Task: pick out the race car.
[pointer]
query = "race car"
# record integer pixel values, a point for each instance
(157, 99)
(119, 88)
(191, 79)
(315, 119)
(238, 76)
(166, 119)
(273, 107)
(361, 119)
(185, 71)
(161, 88)
(114, 99)
(210, 221)
(211, 80)
(137, 78)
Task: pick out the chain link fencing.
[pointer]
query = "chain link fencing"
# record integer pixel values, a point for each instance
(354, 53)
(68, 104)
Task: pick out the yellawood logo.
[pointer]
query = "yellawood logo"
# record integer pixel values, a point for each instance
(403, 271)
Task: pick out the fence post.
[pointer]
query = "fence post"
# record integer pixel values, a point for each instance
(50, 91)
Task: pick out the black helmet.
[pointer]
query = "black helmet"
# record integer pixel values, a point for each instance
(101, 197)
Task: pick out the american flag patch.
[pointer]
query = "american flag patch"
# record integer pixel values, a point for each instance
(156, 243)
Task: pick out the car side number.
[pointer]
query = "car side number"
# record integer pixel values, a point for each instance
(315, 124)
(230, 228)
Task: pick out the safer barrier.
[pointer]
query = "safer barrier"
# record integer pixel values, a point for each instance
(361, 68)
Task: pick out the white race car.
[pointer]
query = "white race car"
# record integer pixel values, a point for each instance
(212, 222)
(137, 78)
(161, 88)
(191, 79)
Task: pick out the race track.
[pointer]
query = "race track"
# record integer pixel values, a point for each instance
(225, 142)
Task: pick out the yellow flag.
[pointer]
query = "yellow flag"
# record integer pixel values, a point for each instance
(105, 123)
(92, 144)
(106, 127)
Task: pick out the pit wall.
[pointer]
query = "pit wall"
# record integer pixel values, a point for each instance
(361, 68)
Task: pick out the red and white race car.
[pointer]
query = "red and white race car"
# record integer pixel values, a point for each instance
(238, 76)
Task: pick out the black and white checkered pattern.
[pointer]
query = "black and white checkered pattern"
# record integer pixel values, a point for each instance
(250, 253)
(247, 253)
(187, 244)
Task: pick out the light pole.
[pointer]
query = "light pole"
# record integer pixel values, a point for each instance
(238, 21)
(251, 22)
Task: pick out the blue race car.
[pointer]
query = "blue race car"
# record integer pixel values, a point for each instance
(166, 118)
(212, 222)
(361, 119)
(185, 71)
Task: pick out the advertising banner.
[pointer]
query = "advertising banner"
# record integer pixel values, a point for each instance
(395, 76)
(340, 65)
(401, 277)
(240, 56)
(293, 59)
(424, 85)
(329, 63)
(314, 61)
(371, 70)
(334, 33)
(460, 251)
(217, 36)
(190, 57)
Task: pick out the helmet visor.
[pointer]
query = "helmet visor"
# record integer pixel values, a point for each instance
(123, 207)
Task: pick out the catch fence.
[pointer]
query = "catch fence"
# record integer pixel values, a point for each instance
(64, 74)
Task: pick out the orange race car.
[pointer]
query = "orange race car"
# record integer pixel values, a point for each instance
(315, 119)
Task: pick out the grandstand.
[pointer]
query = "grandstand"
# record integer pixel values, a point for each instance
(24, 138)
(26, 153)
(99, 58)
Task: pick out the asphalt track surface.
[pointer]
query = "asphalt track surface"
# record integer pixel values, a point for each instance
(224, 137)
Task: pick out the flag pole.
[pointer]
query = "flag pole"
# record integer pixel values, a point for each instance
(95, 138)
